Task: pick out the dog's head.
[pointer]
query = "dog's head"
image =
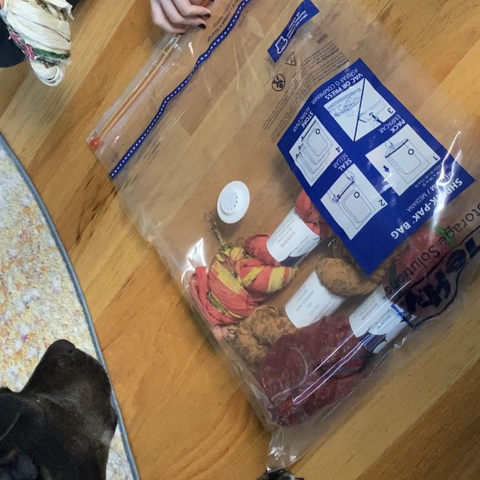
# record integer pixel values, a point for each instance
(62, 423)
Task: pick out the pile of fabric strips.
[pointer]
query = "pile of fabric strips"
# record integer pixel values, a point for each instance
(41, 29)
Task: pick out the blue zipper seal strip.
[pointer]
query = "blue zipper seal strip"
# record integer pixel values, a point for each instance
(204, 57)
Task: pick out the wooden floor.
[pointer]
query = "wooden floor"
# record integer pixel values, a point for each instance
(184, 414)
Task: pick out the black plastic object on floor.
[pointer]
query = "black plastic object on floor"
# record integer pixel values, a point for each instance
(279, 475)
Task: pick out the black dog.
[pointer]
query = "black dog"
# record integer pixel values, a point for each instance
(60, 426)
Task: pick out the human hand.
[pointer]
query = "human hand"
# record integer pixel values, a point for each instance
(174, 16)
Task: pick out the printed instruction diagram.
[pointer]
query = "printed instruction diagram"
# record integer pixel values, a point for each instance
(360, 110)
(403, 159)
(353, 201)
(314, 151)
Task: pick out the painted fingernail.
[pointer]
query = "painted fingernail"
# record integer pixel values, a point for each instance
(207, 15)
(202, 26)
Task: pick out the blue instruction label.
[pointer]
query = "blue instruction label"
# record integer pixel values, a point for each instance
(302, 15)
(369, 166)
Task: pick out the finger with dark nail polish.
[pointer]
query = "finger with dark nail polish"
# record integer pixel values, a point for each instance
(202, 26)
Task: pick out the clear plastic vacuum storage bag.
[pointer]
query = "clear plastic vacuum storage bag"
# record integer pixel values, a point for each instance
(312, 191)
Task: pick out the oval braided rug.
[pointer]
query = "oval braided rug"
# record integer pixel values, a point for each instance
(40, 298)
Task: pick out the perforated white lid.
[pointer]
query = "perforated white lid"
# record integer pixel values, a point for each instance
(233, 202)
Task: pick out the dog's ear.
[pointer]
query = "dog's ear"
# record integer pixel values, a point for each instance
(10, 411)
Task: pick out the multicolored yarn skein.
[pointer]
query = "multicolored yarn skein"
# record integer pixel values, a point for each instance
(40, 28)
(236, 283)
